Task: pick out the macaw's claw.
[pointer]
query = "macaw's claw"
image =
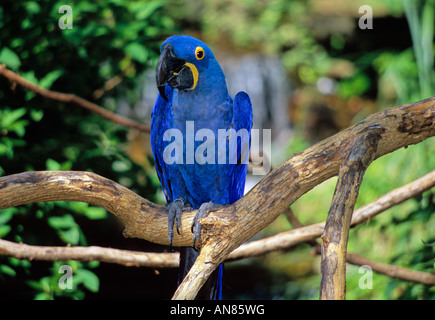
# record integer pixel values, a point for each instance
(176, 209)
(203, 211)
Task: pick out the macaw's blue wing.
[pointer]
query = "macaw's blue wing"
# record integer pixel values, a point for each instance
(158, 124)
(193, 92)
(242, 124)
(236, 167)
(169, 176)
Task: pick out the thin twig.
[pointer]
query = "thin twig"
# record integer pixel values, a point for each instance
(71, 98)
(122, 257)
(381, 268)
(392, 271)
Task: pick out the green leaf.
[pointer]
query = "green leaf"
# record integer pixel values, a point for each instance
(9, 117)
(95, 213)
(6, 148)
(137, 51)
(35, 285)
(30, 76)
(43, 296)
(19, 127)
(67, 229)
(49, 78)
(88, 278)
(71, 236)
(9, 58)
(32, 7)
(64, 222)
(52, 165)
(20, 263)
(121, 166)
(4, 230)
(79, 207)
(147, 10)
(36, 115)
(5, 216)
(7, 270)
(93, 264)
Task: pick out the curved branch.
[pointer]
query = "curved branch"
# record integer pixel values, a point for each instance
(288, 239)
(336, 234)
(381, 268)
(282, 241)
(141, 217)
(228, 228)
(71, 98)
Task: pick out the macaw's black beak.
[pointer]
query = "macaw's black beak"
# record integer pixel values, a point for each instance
(173, 71)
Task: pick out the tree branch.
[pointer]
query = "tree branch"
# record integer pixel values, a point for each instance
(336, 234)
(71, 98)
(388, 270)
(288, 239)
(141, 217)
(124, 257)
(228, 228)
(282, 241)
(393, 271)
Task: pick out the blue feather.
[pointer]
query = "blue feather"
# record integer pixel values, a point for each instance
(207, 106)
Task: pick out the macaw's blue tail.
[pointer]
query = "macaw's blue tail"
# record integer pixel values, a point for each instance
(212, 289)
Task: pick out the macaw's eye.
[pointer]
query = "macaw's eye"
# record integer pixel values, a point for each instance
(199, 53)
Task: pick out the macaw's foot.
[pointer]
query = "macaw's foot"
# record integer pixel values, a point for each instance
(203, 211)
(175, 208)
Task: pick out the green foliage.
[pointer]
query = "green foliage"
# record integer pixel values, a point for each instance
(403, 235)
(407, 75)
(8, 57)
(12, 131)
(118, 39)
(421, 25)
(47, 288)
(109, 39)
(279, 27)
(358, 85)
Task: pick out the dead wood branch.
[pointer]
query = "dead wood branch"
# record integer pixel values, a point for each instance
(71, 98)
(392, 271)
(124, 257)
(228, 228)
(282, 241)
(381, 268)
(336, 234)
(140, 216)
(288, 239)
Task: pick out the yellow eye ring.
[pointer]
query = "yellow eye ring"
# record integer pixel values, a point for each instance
(199, 53)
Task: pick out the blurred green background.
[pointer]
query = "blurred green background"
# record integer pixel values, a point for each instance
(335, 74)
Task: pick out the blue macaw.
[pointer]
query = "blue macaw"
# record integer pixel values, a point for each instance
(193, 90)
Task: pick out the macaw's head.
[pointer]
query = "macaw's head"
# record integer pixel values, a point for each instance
(187, 64)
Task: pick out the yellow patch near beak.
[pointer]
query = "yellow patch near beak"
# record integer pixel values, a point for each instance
(195, 74)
